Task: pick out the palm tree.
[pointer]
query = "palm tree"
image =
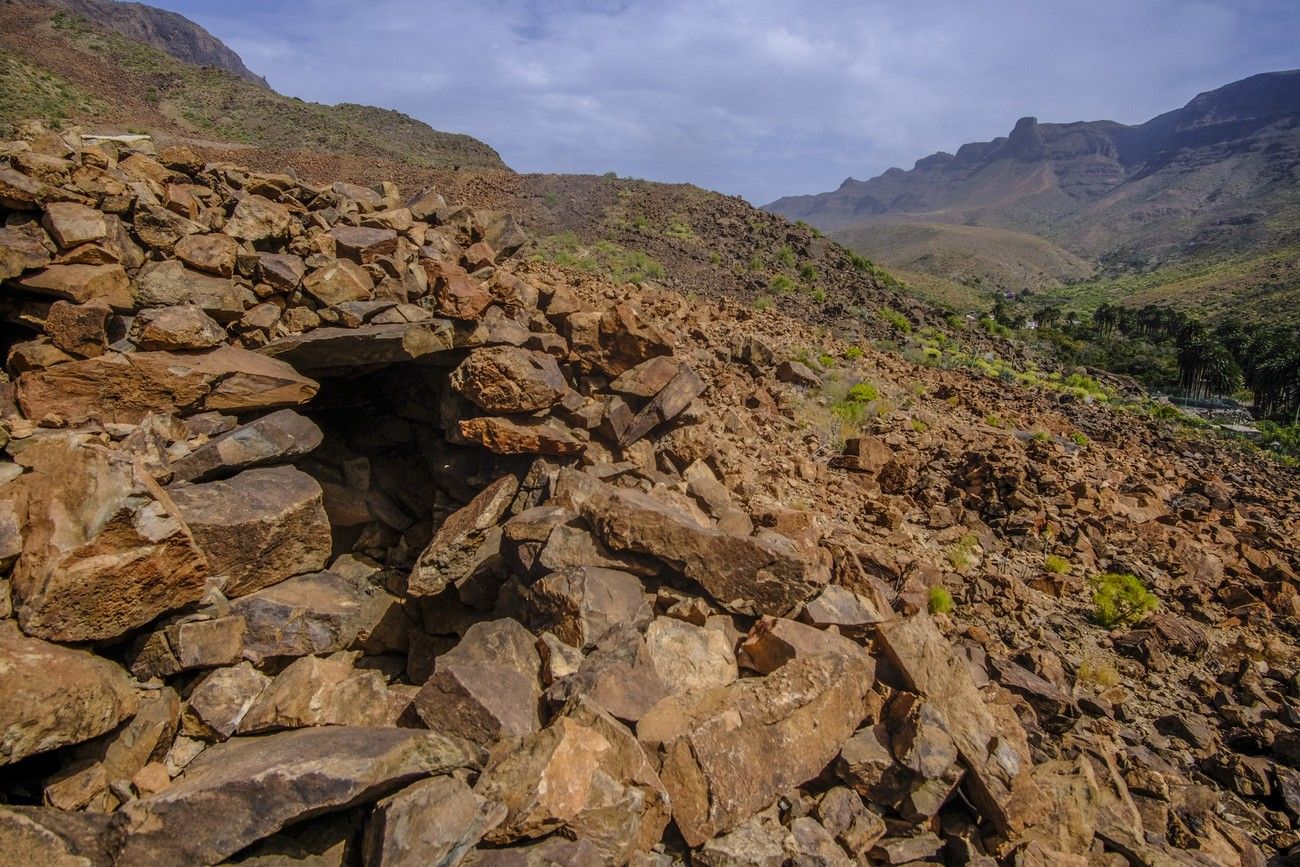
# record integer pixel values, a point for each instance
(1105, 317)
(1205, 366)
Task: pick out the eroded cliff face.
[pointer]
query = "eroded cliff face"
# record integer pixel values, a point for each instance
(175, 34)
(335, 529)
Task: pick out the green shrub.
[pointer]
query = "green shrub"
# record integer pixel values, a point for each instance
(1056, 565)
(781, 284)
(640, 223)
(919, 426)
(808, 272)
(853, 353)
(1079, 439)
(863, 392)
(1042, 436)
(994, 420)
(826, 360)
(755, 263)
(1119, 598)
(786, 257)
(1099, 672)
(681, 231)
(715, 259)
(818, 295)
(763, 302)
(895, 319)
(962, 554)
(940, 601)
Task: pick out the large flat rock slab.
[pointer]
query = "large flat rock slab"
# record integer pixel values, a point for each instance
(118, 387)
(332, 350)
(245, 789)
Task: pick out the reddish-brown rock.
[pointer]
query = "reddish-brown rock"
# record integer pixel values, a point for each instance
(259, 527)
(104, 548)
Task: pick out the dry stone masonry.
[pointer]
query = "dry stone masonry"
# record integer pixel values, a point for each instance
(335, 531)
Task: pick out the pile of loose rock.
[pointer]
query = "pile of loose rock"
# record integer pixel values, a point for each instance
(333, 533)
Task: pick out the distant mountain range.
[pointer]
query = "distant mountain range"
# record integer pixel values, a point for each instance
(1216, 180)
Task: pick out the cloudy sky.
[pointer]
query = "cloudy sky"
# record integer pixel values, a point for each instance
(752, 97)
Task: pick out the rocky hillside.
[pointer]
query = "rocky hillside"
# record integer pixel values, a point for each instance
(167, 31)
(337, 532)
(678, 235)
(60, 66)
(1216, 179)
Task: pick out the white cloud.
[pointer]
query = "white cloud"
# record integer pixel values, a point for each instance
(757, 97)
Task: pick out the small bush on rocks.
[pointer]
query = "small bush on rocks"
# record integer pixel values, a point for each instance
(1120, 598)
(1056, 565)
(940, 601)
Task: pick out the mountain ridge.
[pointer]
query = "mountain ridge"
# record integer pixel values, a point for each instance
(1088, 158)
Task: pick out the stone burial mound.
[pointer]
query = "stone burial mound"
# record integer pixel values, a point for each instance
(335, 532)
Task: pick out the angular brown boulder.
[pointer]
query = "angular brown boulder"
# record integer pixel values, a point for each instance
(259, 527)
(998, 779)
(453, 553)
(581, 603)
(524, 436)
(81, 330)
(52, 696)
(435, 821)
(744, 574)
(169, 283)
(316, 692)
(282, 270)
(105, 550)
(219, 702)
(619, 675)
(212, 254)
(690, 657)
(664, 406)
(727, 753)
(339, 281)
(21, 251)
(82, 283)
(119, 387)
(184, 326)
(363, 245)
(455, 293)
(506, 379)
(317, 613)
(55, 838)
(280, 436)
(245, 789)
(70, 224)
(257, 218)
(774, 641)
(616, 340)
(585, 776)
(487, 687)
